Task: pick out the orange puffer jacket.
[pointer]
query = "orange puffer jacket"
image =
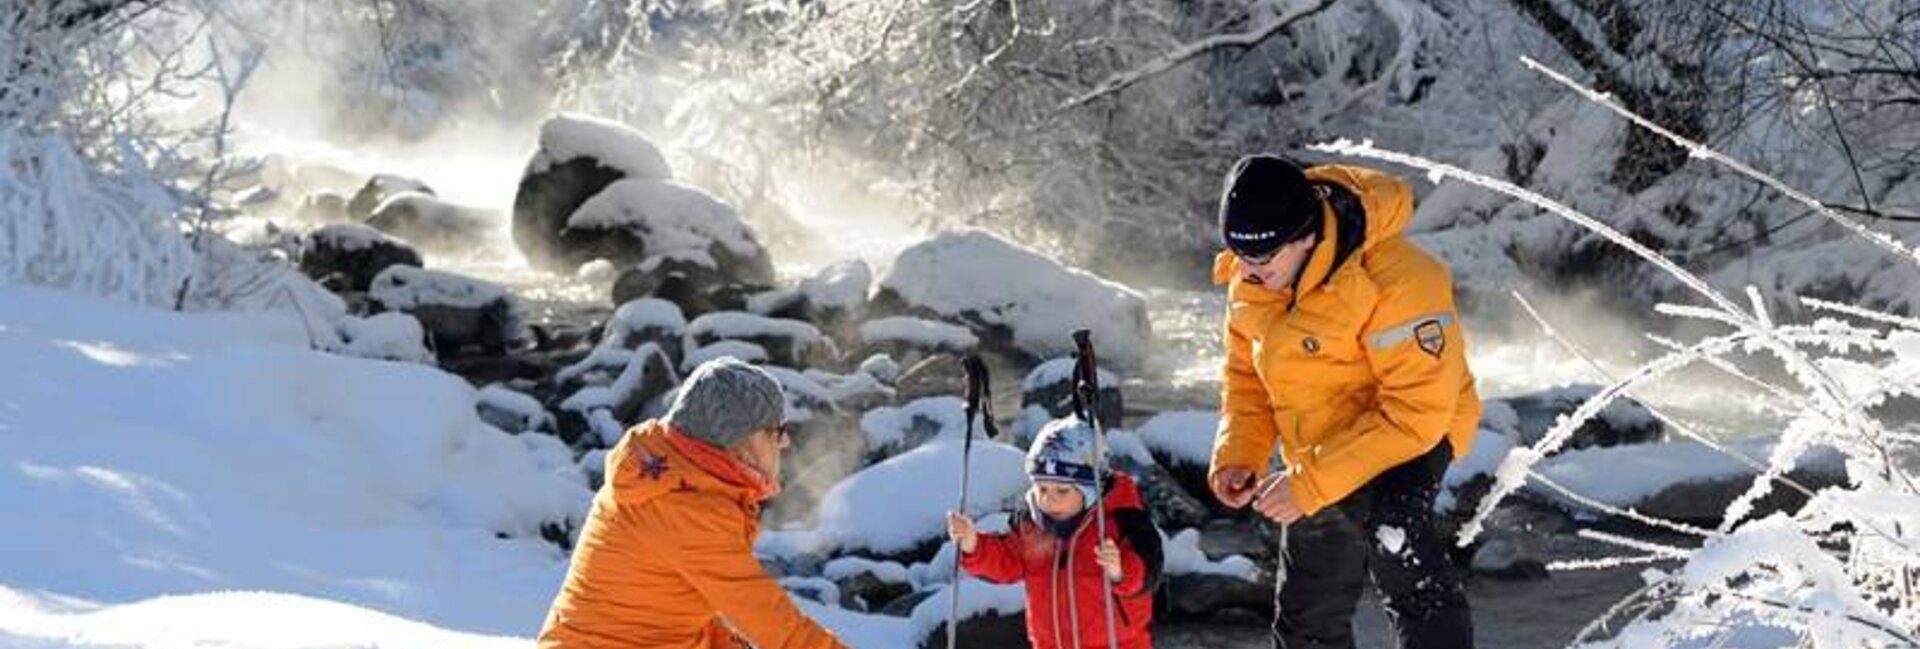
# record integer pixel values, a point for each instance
(1359, 367)
(666, 558)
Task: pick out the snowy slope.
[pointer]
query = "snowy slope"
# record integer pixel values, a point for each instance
(150, 453)
(210, 620)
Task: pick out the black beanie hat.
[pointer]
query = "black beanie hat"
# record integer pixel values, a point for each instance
(1267, 203)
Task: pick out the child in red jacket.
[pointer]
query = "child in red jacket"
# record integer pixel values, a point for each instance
(1053, 546)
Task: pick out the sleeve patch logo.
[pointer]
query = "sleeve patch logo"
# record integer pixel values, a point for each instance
(1432, 337)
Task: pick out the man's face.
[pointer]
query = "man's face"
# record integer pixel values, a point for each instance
(1276, 272)
(761, 450)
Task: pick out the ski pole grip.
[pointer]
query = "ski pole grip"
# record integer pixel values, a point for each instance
(976, 380)
(1088, 367)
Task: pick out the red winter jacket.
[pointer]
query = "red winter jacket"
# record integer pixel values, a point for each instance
(1064, 581)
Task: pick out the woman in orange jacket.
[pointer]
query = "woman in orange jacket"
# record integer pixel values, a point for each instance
(666, 558)
(1344, 351)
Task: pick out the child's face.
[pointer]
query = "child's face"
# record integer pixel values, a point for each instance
(1058, 500)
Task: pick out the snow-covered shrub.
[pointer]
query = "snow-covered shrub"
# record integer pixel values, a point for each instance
(84, 170)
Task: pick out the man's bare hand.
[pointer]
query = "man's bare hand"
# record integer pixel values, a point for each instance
(1276, 501)
(1233, 486)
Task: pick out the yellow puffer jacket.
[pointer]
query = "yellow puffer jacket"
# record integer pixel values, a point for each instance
(1358, 369)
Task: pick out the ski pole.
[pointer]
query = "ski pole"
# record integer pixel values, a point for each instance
(979, 401)
(1087, 390)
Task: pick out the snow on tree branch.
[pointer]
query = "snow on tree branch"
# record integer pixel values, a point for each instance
(1184, 53)
(1698, 150)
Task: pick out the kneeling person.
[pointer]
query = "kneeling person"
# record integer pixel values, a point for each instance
(666, 558)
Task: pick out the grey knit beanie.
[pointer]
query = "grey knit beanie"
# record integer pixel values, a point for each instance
(725, 400)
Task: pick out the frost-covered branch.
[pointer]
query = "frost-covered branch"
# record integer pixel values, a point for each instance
(1701, 151)
(1189, 51)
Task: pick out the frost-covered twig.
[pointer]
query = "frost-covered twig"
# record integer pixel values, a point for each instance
(1905, 638)
(1439, 171)
(1622, 512)
(1649, 547)
(1519, 463)
(1701, 151)
(1170, 60)
(1607, 563)
(231, 77)
(1817, 304)
(1658, 413)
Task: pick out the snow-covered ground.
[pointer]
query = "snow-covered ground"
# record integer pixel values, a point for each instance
(150, 453)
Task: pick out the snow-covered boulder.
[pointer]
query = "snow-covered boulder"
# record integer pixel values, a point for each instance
(891, 431)
(1516, 541)
(377, 190)
(1623, 422)
(293, 177)
(735, 349)
(838, 291)
(855, 391)
(934, 376)
(806, 396)
(352, 255)
(789, 343)
(897, 509)
(1181, 442)
(606, 410)
(513, 411)
(566, 138)
(578, 156)
(1225, 537)
(865, 584)
(1181, 437)
(689, 281)
(912, 339)
(457, 311)
(646, 320)
(1050, 386)
(1683, 479)
(637, 219)
(385, 336)
(429, 222)
(1198, 587)
(882, 368)
(323, 206)
(833, 297)
(1015, 298)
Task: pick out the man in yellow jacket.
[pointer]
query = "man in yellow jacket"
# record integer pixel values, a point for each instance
(666, 558)
(1344, 351)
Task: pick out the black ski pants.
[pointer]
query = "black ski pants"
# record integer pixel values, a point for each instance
(1384, 530)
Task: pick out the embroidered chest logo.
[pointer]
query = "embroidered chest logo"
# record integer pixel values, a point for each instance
(1311, 344)
(1431, 336)
(651, 465)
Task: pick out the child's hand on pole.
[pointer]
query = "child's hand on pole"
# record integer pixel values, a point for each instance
(965, 536)
(1109, 558)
